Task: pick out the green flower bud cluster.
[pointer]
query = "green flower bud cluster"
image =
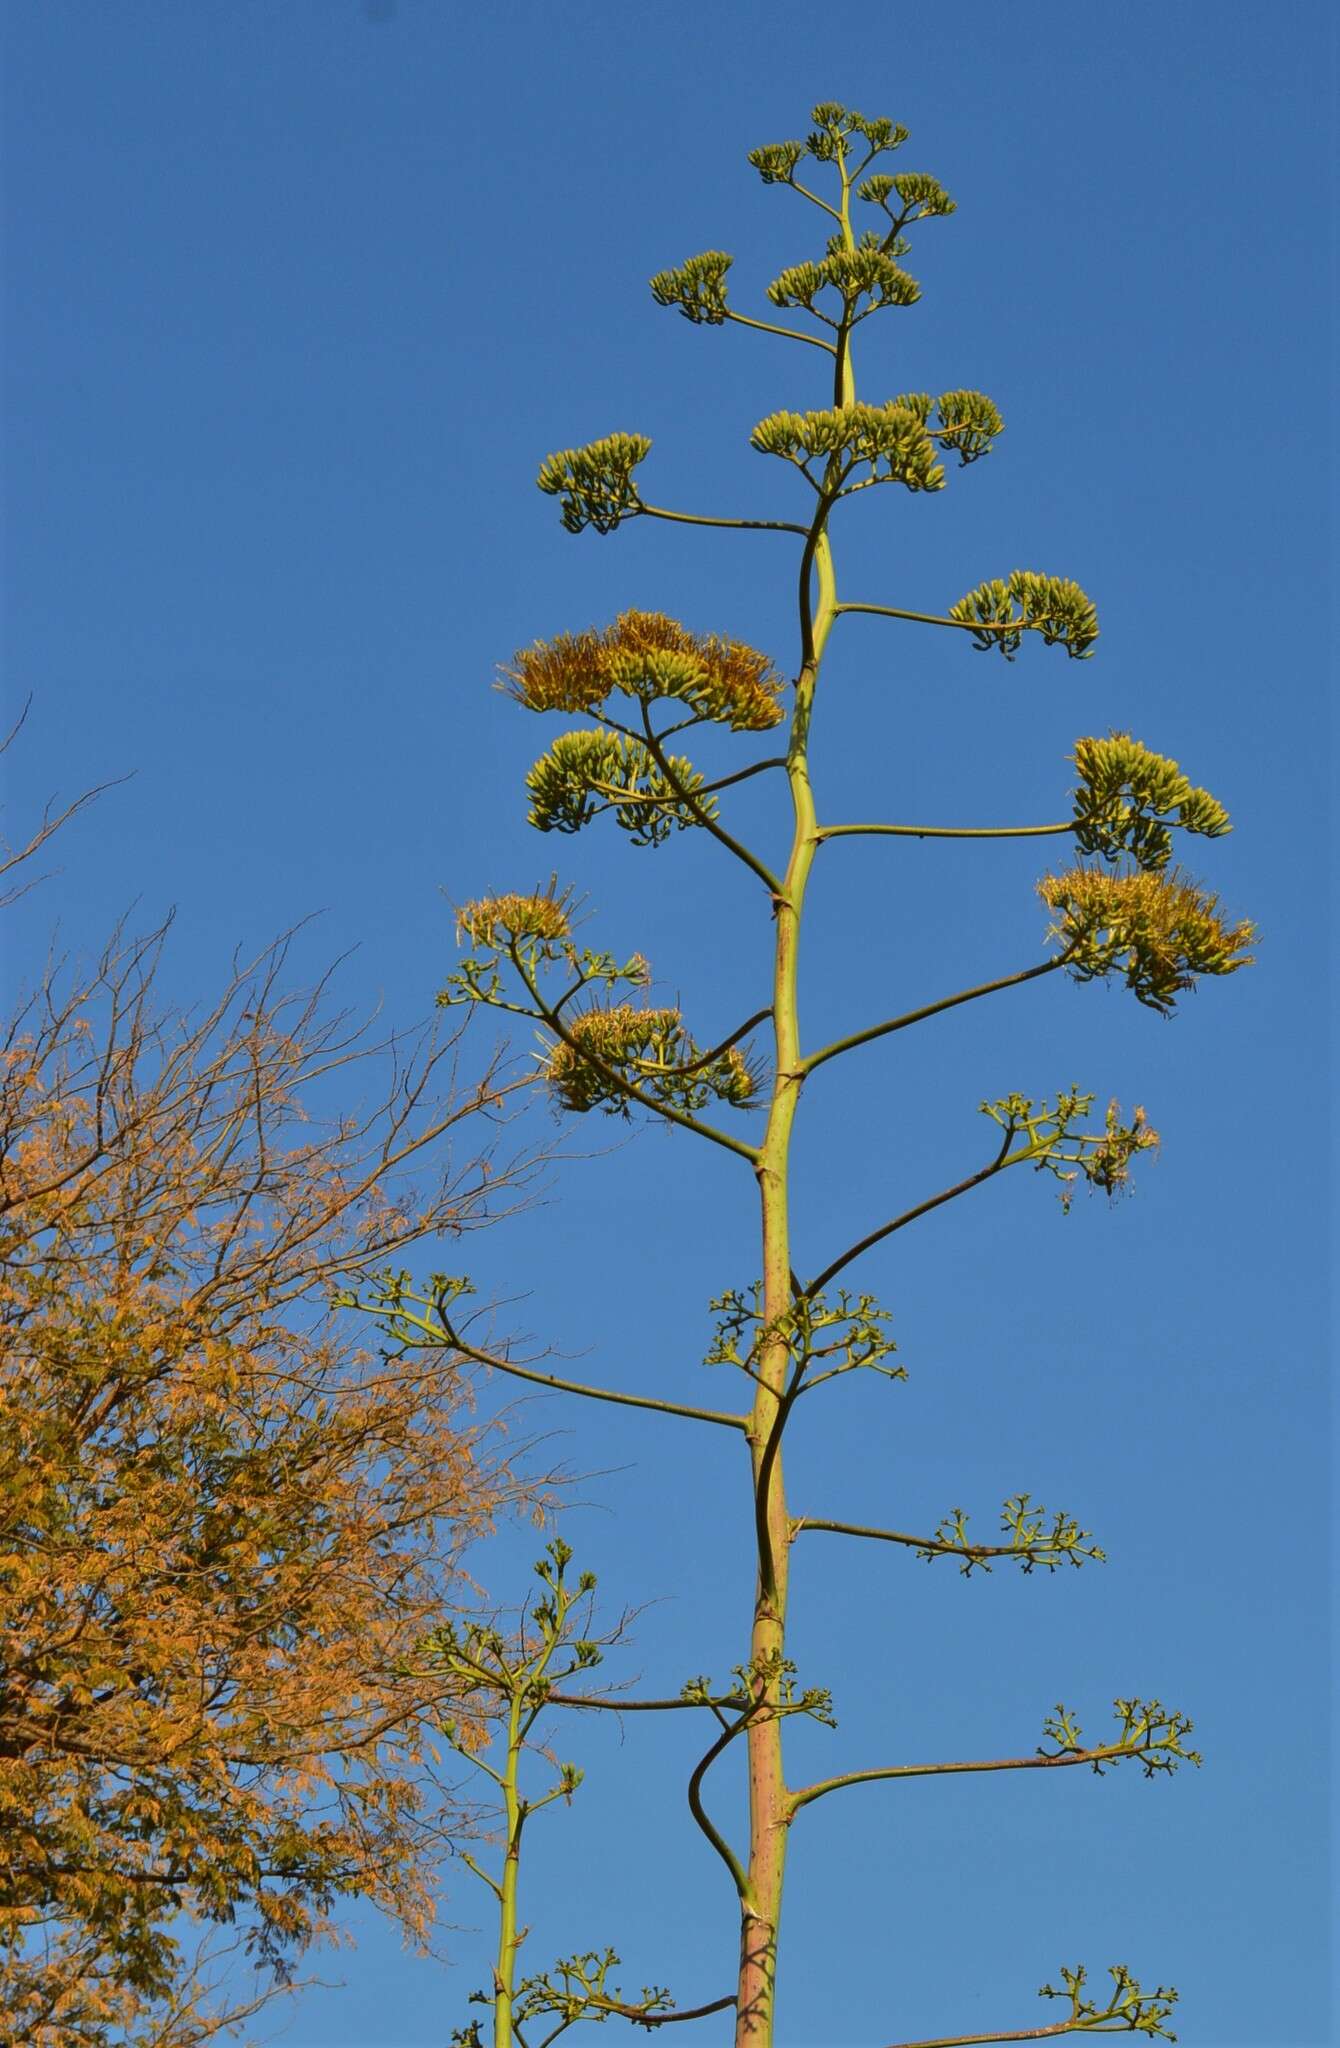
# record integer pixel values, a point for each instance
(595, 484)
(923, 197)
(1149, 1731)
(697, 287)
(853, 274)
(617, 1046)
(1127, 796)
(1160, 931)
(1050, 605)
(967, 421)
(585, 773)
(890, 439)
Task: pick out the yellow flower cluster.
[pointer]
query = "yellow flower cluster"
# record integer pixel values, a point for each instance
(493, 920)
(1158, 929)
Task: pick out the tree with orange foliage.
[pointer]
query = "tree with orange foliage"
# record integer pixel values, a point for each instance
(224, 1528)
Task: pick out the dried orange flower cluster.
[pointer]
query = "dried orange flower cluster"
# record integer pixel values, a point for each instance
(647, 655)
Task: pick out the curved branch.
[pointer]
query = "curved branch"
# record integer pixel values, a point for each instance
(739, 1876)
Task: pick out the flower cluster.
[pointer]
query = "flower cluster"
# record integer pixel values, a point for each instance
(648, 656)
(1158, 930)
(854, 274)
(697, 287)
(890, 439)
(1129, 799)
(493, 921)
(1002, 612)
(595, 484)
(612, 1048)
(585, 773)
(1054, 1141)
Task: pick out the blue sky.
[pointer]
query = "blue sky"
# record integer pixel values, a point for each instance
(297, 298)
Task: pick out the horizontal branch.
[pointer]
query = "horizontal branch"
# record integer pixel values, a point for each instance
(888, 611)
(944, 831)
(934, 1543)
(617, 1706)
(741, 525)
(967, 995)
(1020, 2034)
(1109, 1752)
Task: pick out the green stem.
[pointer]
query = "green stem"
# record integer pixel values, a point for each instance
(966, 995)
(889, 611)
(1111, 1752)
(874, 1237)
(1023, 2034)
(1035, 1551)
(704, 817)
(769, 1816)
(788, 333)
(563, 1386)
(514, 1816)
(741, 525)
(946, 831)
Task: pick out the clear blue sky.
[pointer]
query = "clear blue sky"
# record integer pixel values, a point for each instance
(297, 297)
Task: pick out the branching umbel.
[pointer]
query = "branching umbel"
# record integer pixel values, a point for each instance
(1119, 911)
